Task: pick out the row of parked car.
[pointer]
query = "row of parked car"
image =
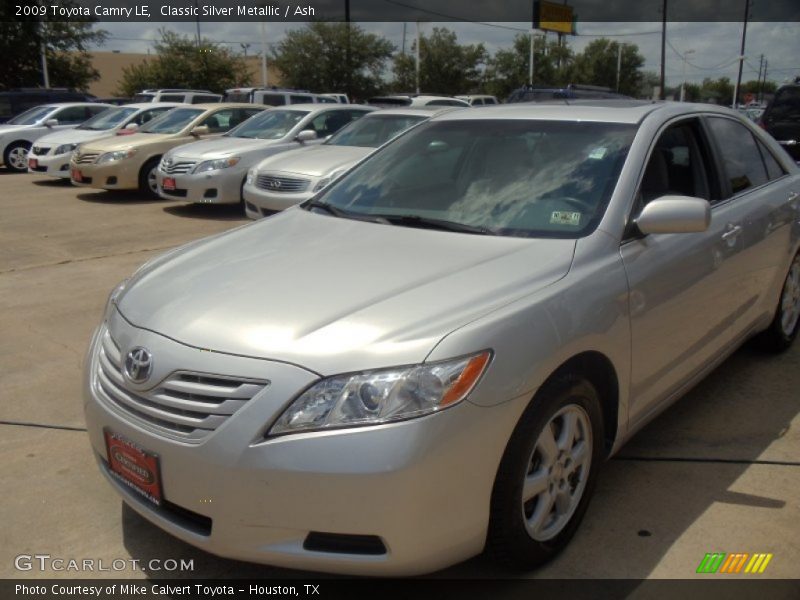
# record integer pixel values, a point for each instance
(265, 158)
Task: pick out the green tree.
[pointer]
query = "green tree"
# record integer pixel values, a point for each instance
(66, 47)
(316, 58)
(509, 68)
(719, 91)
(446, 67)
(597, 65)
(179, 62)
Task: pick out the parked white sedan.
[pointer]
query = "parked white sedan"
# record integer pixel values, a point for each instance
(51, 153)
(18, 134)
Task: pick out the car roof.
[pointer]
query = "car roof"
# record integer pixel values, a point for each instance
(611, 111)
(63, 104)
(212, 105)
(151, 105)
(408, 111)
(323, 106)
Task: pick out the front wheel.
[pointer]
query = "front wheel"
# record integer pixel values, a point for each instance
(547, 474)
(786, 322)
(15, 157)
(148, 182)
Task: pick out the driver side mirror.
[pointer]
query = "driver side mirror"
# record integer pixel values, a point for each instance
(51, 123)
(200, 130)
(132, 126)
(306, 135)
(674, 214)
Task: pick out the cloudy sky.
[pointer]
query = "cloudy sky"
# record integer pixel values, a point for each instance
(715, 45)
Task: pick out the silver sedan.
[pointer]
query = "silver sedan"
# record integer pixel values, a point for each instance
(434, 356)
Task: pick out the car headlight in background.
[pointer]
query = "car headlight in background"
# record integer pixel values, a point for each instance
(115, 156)
(326, 181)
(64, 148)
(382, 396)
(215, 165)
(251, 176)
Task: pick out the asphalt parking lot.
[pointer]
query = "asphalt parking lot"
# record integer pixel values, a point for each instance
(717, 472)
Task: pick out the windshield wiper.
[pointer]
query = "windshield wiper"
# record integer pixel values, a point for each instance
(441, 224)
(343, 214)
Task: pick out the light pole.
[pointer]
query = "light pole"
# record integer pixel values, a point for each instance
(683, 85)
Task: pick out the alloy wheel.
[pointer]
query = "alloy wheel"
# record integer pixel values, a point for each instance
(790, 299)
(18, 158)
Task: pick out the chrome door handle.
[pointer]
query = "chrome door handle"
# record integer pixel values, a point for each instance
(732, 232)
(792, 196)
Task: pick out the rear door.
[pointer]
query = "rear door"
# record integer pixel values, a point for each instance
(759, 194)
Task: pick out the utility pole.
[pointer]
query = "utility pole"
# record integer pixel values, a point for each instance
(683, 84)
(416, 61)
(619, 63)
(741, 55)
(760, 68)
(661, 93)
(531, 59)
(263, 54)
(348, 79)
(403, 52)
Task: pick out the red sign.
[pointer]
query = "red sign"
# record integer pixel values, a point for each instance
(134, 466)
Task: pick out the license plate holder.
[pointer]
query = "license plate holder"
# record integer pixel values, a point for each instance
(33, 163)
(134, 466)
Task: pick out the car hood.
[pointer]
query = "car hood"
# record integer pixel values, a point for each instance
(222, 147)
(317, 161)
(123, 142)
(335, 295)
(4, 129)
(73, 136)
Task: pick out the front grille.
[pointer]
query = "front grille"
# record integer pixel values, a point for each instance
(273, 183)
(85, 159)
(174, 193)
(185, 405)
(183, 166)
(41, 150)
(39, 169)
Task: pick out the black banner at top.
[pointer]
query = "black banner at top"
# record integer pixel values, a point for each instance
(520, 11)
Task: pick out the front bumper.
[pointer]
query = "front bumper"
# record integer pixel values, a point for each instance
(223, 186)
(108, 176)
(49, 164)
(261, 203)
(422, 487)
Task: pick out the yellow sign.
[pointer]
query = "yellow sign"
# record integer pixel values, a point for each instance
(554, 17)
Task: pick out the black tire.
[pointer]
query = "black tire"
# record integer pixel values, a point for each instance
(778, 337)
(144, 178)
(509, 542)
(15, 157)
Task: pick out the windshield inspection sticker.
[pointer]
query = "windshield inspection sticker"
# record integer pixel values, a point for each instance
(598, 153)
(561, 217)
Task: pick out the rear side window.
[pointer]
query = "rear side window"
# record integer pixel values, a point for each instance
(741, 158)
(444, 103)
(298, 99)
(272, 100)
(72, 115)
(774, 169)
(202, 99)
(172, 98)
(489, 101)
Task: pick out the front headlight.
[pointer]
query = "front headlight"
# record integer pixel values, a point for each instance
(114, 297)
(215, 165)
(382, 396)
(64, 148)
(115, 156)
(251, 176)
(326, 181)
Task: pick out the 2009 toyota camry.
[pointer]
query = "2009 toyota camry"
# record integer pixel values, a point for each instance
(435, 355)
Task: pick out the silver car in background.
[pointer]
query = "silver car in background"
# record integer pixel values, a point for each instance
(51, 153)
(214, 171)
(281, 181)
(434, 355)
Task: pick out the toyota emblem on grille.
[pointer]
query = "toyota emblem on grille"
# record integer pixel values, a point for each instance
(138, 364)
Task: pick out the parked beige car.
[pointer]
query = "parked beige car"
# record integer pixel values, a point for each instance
(130, 162)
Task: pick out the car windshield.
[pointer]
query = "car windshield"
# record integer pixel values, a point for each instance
(372, 132)
(172, 121)
(525, 178)
(269, 125)
(108, 119)
(31, 116)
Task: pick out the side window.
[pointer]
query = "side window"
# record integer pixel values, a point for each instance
(330, 122)
(477, 102)
(202, 99)
(444, 103)
(744, 167)
(72, 115)
(774, 169)
(679, 164)
(172, 98)
(220, 121)
(298, 99)
(272, 100)
(489, 101)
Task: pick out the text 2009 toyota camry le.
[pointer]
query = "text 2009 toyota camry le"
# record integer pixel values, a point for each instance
(434, 356)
